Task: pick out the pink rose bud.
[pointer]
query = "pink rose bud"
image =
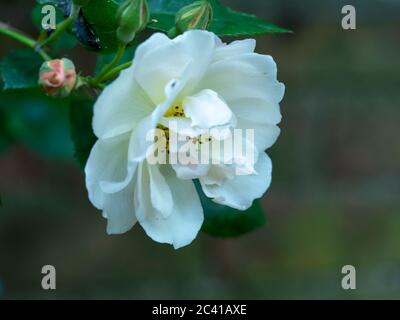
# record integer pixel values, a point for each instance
(57, 77)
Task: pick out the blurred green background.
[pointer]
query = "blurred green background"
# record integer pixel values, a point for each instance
(334, 199)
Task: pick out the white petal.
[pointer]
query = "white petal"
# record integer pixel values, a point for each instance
(217, 174)
(241, 191)
(108, 161)
(152, 44)
(152, 193)
(207, 110)
(156, 68)
(245, 76)
(142, 199)
(119, 211)
(191, 171)
(182, 226)
(120, 106)
(160, 193)
(234, 48)
(265, 135)
(256, 110)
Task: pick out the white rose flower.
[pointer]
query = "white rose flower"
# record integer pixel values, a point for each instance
(203, 84)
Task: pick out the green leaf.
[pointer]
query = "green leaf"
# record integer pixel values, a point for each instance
(225, 222)
(97, 27)
(36, 121)
(20, 69)
(81, 114)
(101, 16)
(226, 22)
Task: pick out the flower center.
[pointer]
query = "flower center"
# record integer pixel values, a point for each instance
(176, 110)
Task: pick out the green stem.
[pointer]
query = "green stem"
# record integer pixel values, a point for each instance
(112, 74)
(61, 27)
(120, 52)
(21, 38)
(88, 82)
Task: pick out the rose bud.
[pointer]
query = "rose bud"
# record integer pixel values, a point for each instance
(197, 15)
(57, 77)
(133, 17)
